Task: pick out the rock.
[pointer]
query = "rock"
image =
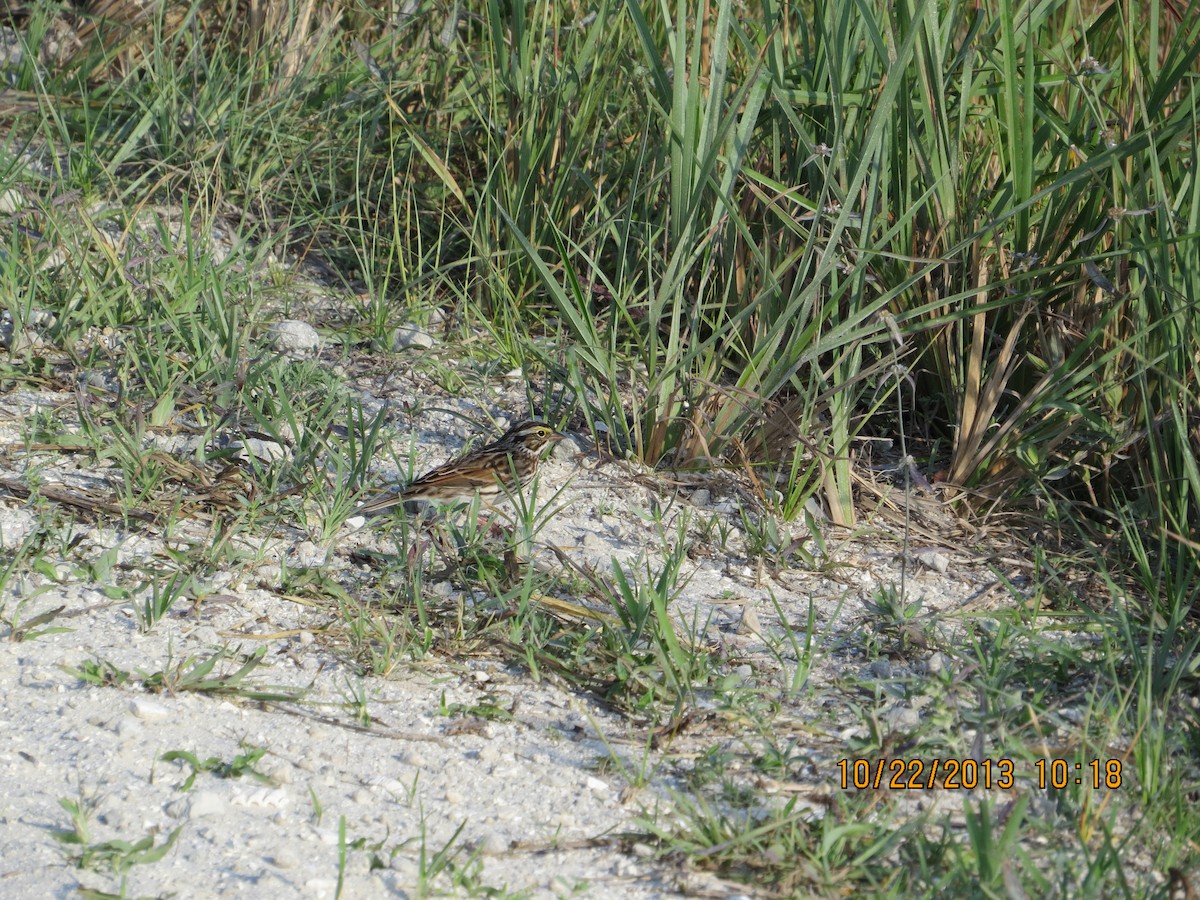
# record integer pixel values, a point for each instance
(408, 338)
(296, 339)
(264, 451)
(307, 555)
(935, 560)
(13, 340)
(566, 449)
(42, 318)
(148, 710)
(701, 497)
(11, 199)
(937, 663)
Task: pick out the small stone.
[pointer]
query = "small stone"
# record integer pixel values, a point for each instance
(295, 338)
(256, 448)
(701, 497)
(881, 668)
(566, 449)
(937, 663)
(307, 555)
(13, 340)
(12, 199)
(493, 844)
(453, 797)
(595, 785)
(148, 710)
(935, 560)
(42, 318)
(407, 338)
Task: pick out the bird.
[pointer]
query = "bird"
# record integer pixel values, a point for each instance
(487, 471)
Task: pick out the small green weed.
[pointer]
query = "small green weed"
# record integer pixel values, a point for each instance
(241, 765)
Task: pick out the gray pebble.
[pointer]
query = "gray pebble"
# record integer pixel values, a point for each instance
(256, 448)
(308, 555)
(295, 338)
(935, 560)
(566, 449)
(407, 338)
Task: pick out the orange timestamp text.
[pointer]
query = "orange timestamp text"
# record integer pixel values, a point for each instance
(969, 774)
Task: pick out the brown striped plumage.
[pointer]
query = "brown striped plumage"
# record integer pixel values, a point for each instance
(487, 471)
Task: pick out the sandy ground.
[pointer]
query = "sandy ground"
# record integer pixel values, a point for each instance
(534, 800)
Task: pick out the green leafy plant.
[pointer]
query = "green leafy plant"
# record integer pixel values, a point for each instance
(116, 856)
(242, 764)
